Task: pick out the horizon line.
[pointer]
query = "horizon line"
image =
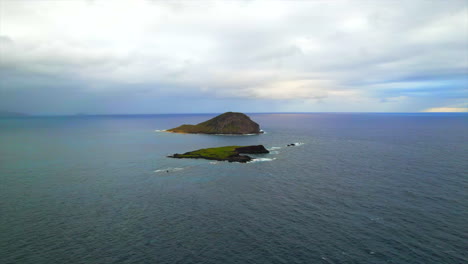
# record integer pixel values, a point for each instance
(208, 113)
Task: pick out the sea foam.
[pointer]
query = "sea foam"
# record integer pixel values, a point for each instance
(274, 148)
(261, 159)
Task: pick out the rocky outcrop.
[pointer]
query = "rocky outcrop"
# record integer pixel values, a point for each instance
(227, 123)
(259, 149)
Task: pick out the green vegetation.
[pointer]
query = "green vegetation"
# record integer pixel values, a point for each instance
(221, 153)
(228, 153)
(204, 129)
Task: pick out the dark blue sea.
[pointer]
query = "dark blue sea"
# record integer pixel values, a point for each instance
(359, 188)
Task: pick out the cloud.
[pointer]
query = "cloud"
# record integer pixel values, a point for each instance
(348, 55)
(447, 109)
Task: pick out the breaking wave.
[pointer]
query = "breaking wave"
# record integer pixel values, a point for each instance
(261, 159)
(274, 148)
(236, 135)
(298, 143)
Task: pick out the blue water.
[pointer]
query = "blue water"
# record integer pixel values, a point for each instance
(363, 188)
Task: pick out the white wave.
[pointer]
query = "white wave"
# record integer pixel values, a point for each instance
(274, 152)
(235, 135)
(274, 148)
(296, 144)
(262, 159)
(164, 130)
(167, 170)
(214, 162)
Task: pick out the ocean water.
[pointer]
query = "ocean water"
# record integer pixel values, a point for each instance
(360, 188)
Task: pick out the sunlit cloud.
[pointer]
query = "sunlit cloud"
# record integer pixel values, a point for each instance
(447, 109)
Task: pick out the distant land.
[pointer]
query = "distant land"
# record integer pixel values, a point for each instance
(11, 114)
(227, 123)
(41, 114)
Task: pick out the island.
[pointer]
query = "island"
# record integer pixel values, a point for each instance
(227, 123)
(228, 153)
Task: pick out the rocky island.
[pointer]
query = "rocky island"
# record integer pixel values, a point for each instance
(228, 153)
(227, 123)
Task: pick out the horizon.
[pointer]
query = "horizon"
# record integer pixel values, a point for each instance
(215, 113)
(64, 58)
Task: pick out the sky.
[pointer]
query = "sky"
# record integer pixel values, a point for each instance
(136, 57)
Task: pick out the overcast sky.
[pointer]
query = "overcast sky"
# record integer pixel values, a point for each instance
(104, 57)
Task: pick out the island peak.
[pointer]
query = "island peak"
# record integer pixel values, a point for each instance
(227, 123)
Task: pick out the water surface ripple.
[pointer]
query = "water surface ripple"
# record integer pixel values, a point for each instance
(363, 188)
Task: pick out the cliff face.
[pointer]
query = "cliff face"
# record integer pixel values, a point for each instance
(227, 123)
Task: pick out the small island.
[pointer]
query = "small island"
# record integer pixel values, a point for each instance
(228, 153)
(227, 123)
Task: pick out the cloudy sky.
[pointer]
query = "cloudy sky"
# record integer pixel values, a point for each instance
(104, 57)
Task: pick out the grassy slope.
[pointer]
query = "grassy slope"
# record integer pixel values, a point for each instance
(192, 129)
(203, 128)
(208, 127)
(212, 153)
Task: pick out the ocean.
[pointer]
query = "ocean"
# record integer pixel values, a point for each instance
(359, 188)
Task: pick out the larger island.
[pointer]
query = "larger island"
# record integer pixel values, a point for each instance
(227, 123)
